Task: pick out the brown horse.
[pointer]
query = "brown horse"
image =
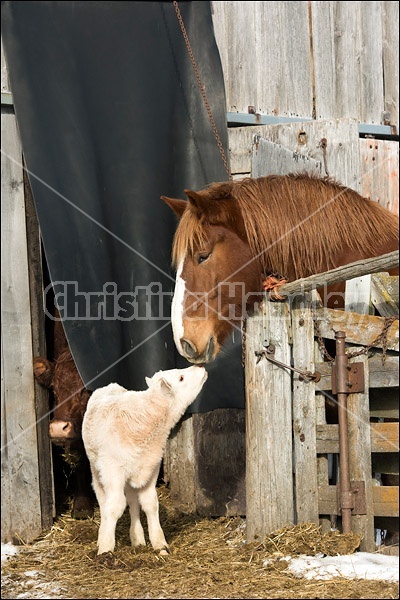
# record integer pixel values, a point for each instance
(233, 235)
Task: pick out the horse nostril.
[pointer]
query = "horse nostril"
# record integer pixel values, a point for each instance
(189, 349)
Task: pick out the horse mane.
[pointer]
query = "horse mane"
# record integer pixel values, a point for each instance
(298, 219)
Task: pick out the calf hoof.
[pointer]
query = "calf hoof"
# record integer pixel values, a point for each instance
(106, 559)
(164, 551)
(82, 508)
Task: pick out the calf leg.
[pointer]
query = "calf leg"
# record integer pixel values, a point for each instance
(112, 507)
(97, 486)
(136, 532)
(83, 503)
(149, 501)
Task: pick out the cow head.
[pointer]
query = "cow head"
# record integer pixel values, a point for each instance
(70, 396)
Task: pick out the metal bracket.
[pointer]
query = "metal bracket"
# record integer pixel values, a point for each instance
(355, 499)
(268, 352)
(355, 379)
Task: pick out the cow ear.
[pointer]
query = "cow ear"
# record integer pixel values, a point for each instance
(178, 206)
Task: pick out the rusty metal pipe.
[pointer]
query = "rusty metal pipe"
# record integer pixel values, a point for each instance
(346, 496)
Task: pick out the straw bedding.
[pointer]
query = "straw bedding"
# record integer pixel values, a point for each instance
(209, 559)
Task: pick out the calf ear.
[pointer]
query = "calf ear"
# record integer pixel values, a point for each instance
(165, 386)
(178, 206)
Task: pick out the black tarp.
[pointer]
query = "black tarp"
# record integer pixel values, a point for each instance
(111, 117)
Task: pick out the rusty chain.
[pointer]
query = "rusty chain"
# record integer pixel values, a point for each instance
(381, 338)
(244, 323)
(202, 90)
(321, 342)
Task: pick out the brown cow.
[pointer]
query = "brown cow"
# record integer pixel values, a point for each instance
(70, 401)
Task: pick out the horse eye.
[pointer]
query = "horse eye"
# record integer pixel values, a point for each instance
(181, 378)
(202, 257)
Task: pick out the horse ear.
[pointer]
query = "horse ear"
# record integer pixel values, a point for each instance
(198, 202)
(178, 206)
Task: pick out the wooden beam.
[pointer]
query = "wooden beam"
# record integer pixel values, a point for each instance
(384, 438)
(360, 329)
(385, 500)
(381, 375)
(356, 269)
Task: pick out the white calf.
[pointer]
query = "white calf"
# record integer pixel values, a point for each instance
(125, 433)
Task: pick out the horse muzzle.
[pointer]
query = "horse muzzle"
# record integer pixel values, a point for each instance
(191, 353)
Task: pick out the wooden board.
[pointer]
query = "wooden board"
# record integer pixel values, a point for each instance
(205, 463)
(5, 83)
(269, 487)
(304, 413)
(381, 375)
(271, 158)
(21, 502)
(385, 500)
(341, 158)
(332, 69)
(390, 31)
(360, 449)
(385, 294)
(384, 438)
(360, 329)
(42, 403)
(380, 172)
(252, 56)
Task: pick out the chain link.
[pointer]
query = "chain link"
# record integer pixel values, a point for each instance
(381, 338)
(321, 342)
(244, 323)
(202, 90)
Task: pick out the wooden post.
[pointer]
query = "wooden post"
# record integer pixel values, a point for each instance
(42, 403)
(269, 475)
(21, 499)
(304, 412)
(358, 418)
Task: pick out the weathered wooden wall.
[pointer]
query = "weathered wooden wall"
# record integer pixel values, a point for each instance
(317, 60)
(26, 479)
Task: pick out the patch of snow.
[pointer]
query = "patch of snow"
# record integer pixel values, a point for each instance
(360, 565)
(8, 550)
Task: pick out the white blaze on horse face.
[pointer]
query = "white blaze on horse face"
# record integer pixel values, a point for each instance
(177, 308)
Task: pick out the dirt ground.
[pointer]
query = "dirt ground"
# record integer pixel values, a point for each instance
(209, 559)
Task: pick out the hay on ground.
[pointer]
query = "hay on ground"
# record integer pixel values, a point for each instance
(209, 559)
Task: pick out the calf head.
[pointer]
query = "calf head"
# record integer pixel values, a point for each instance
(183, 385)
(70, 395)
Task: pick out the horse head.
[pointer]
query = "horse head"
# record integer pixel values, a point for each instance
(216, 274)
(232, 235)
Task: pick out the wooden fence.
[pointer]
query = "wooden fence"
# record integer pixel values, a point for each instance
(216, 478)
(287, 437)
